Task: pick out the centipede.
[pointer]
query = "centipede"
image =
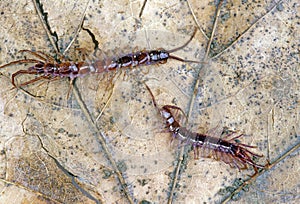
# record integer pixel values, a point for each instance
(47, 67)
(230, 150)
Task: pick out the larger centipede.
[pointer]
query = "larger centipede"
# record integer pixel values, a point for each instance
(230, 151)
(46, 67)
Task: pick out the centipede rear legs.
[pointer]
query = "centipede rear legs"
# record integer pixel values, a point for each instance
(42, 58)
(21, 72)
(41, 55)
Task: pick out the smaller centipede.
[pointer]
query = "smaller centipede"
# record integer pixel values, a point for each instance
(48, 68)
(230, 151)
(148, 57)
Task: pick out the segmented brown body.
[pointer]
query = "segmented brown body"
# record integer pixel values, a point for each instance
(148, 57)
(229, 151)
(47, 67)
(139, 59)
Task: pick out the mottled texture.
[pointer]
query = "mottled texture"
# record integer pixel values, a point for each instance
(250, 83)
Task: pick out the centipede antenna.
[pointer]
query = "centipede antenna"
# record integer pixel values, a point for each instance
(183, 60)
(32, 81)
(20, 72)
(152, 96)
(185, 44)
(37, 54)
(22, 61)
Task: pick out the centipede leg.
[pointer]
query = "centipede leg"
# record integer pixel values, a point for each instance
(241, 162)
(240, 165)
(227, 136)
(43, 56)
(22, 61)
(111, 78)
(82, 52)
(33, 80)
(241, 144)
(242, 155)
(37, 54)
(245, 145)
(236, 137)
(253, 154)
(196, 152)
(225, 158)
(70, 88)
(172, 139)
(14, 75)
(228, 159)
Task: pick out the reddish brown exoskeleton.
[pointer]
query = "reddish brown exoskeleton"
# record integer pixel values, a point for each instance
(46, 67)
